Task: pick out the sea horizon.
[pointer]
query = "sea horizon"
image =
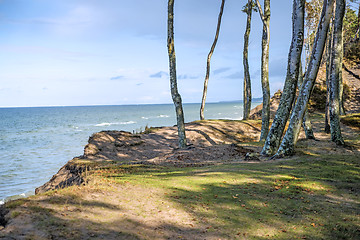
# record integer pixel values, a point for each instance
(129, 104)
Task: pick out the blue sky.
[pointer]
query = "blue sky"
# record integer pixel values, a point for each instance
(100, 52)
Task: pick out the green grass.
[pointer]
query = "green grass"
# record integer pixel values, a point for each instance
(351, 120)
(307, 198)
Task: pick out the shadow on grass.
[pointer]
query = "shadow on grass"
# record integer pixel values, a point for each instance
(305, 198)
(308, 198)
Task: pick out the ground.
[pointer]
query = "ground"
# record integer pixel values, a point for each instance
(167, 193)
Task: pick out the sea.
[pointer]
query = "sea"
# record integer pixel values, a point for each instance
(35, 142)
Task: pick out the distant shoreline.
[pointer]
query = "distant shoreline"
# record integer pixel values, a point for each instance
(254, 100)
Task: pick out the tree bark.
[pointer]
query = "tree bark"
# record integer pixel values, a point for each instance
(247, 81)
(336, 74)
(173, 81)
(309, 133)
(328, 73)
(287, 145)
(208, 61)
(287, 98)
(265, 17)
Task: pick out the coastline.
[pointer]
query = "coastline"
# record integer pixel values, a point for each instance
(61, 133)
(198, 193)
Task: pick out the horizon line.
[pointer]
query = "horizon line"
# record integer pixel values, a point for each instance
(127, 104)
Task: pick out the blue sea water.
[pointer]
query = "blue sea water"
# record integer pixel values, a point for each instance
(36, 142)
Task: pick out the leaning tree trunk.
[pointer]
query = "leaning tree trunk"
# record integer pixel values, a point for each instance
(208, 61)
(173, 82)
(287, 145)
(287, 98)
(336, 72)
(309, 133)
(265, 115)
(247, 81)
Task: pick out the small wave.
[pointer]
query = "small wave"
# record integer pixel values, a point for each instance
(144, 117)
(163, 116)
(117, 123)
(2, 202)
(128, 122)
(102, 124)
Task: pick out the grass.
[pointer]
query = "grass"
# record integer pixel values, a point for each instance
(351, 120)
(307, 197)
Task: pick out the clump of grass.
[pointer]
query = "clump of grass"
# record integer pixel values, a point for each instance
(14, 214)
(15, 203)
(351, 120)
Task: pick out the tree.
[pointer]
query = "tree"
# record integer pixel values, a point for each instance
(312, 12)
(288, 143)
(328, 74)
(287, 98)
(209, 59)
(352, 31)
(309, 133)
(265, 18)
(336, 73)
(247, 82)
(173, 82)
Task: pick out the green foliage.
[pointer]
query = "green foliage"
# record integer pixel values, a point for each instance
(352, 51)
(350, 24)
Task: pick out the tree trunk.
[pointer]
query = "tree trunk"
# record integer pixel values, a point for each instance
(309, 133)
(357, 34)
(328, 73)
(247, 81)
(208, 61)
(287, 98)
(265, 17)
(336, 73)
(288, 143)
(173, 82)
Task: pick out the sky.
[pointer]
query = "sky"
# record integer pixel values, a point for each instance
(112, 52)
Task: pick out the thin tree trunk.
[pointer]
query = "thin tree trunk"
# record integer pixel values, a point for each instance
(309, 133)
(358, 31)
(336, 72)
(265, 17)
(328, 73)
(247, 81)
(208, 61)
(287, 98)
(287, 145)
(341, 83)
(173, 82)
